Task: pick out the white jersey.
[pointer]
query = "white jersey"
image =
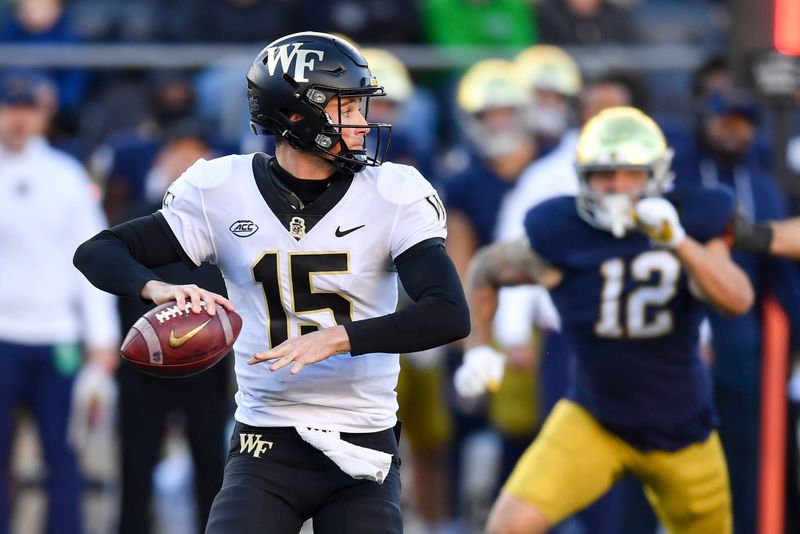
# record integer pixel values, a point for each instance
(288, 272)
(552, 176)
(47, 208)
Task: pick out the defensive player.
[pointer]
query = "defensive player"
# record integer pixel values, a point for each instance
(310, 243)
(630, 301)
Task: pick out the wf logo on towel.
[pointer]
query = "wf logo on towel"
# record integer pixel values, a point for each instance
(253, 444)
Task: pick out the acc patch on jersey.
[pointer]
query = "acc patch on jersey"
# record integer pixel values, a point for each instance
(243, 228)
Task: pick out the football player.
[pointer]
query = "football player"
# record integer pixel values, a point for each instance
(554, 81)
(311, 243)
(628, 264)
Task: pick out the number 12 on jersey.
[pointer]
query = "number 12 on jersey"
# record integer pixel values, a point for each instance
(304, 297)
(657, 295)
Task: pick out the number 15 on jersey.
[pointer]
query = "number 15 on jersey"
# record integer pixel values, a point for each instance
(304, 298)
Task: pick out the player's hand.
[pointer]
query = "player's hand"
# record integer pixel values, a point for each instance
(305, 350)
(657, 218)
(188, 297)
(481, 370)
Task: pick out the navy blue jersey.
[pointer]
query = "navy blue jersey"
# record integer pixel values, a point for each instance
(478, 193)
(628, 311)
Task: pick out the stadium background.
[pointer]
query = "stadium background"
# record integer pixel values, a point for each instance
(124, 70)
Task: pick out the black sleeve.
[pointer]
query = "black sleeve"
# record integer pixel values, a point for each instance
(749, 236)
(119, 260)
(437, 315)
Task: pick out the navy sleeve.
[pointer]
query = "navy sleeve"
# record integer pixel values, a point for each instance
(546, 220)
(705, 212)
(453, 191)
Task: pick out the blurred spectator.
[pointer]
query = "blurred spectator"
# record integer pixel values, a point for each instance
(52, 317)
(407, 108)
(724, 153)
(46, 22)
(127, 158)
(479, 22)
(554, 82)
(149, 404)
(130, 21)
(701, 22)
(713, 76)
(492, 102)
(246, 21)
(365, 21)
(585, 22)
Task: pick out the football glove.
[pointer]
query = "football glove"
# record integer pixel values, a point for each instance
(657, 218)
(94, 403)
(481, 369)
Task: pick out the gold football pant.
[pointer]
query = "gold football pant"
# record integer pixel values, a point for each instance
(575, 460)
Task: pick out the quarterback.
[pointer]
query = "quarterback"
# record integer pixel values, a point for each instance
(311, 243)
(629, 264)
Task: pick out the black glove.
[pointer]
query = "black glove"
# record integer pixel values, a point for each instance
(749, 236)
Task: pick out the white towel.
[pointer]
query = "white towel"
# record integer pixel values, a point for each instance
(358, 462)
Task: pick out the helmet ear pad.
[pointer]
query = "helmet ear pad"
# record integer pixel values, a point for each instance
(314, 132)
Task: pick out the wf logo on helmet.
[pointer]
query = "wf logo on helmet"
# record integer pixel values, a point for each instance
(283, 55)
(243, 228)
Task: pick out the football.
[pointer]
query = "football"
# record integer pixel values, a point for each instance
(170, 343)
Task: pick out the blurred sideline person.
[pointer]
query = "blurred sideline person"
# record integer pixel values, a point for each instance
(148, 404)
(554, 82)
(492, 104)
(586, 22)
(421, 386)
(315, 278)
(725, 153)
(402, 107)
(629, 266)
(53, 319)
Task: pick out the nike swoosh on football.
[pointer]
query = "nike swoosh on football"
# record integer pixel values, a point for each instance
(178, 342)
(340, 233)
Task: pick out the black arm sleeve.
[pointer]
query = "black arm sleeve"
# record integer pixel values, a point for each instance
(119, 260)
(437, 315)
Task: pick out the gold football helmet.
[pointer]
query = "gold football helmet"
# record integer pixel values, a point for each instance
(620, 138)
(549, 68)
(491, 99)
(391, 72)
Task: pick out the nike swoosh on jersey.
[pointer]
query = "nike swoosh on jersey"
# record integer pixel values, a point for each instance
(177, 342)
(340, 233)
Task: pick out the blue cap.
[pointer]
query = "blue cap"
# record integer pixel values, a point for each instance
(733, 102)
(24, 87)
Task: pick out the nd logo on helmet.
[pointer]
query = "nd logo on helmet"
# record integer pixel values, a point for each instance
(283, 55)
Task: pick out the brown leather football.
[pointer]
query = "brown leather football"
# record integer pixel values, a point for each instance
(167, 342)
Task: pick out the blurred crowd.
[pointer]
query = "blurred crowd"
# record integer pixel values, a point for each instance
(494, 139)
